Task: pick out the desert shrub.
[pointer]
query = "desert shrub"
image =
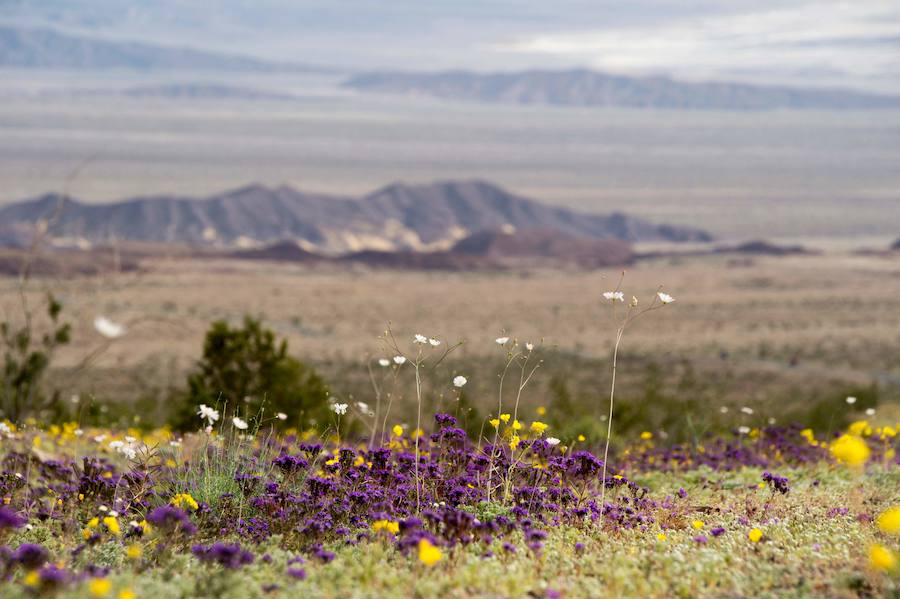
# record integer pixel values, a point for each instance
(246, 369)
(26, 359)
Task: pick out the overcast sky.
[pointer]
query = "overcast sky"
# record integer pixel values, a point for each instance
(820, 43)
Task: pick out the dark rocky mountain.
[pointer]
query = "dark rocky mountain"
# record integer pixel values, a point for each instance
(590, 88)
(546, 245)
(426, 217)
(46, 48)
(765, 248)
(479, 251)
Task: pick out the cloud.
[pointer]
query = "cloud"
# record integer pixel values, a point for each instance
(826, 42)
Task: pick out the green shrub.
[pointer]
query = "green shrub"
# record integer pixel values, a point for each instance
(26, 359)
(246, 370)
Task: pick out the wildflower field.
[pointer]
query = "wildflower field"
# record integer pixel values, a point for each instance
(370, 502)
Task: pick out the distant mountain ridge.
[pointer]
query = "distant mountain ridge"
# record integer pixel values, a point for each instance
(47, 48)
(581, 87)
(422, 217)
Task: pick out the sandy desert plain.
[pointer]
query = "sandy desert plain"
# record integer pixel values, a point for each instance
(782, 335)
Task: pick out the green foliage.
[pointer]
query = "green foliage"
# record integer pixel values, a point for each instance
(246, 370)
(26, 359)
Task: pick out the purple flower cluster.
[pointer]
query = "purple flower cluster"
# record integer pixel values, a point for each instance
(229, 556)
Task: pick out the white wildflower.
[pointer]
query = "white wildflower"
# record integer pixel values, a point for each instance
(502, 340)
(421, 339)
(363, 407)
(108, 328)
(529, 346)
(207, 413)
(339, 408)
(239, 423)
(851, 400)
(99, 438)
(723, 409)
(460, 381)
(870, 412)
(281, 416)
(384, 362)
(434, 342)
(744, 430)
(399, 360)
(747, 410)
(552, 441)
(665, 297)
(614, 296)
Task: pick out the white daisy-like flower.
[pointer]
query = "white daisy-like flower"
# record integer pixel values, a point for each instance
(614, 296)
(281, 416)
(851, 400)
(207, 413)
(502, 340)
(529, 346)
(665, 297)
(399, 360)
(339, 408)
(459, 381)
(870, 412)
(239, 423)
(422, 339)
(552, 441)
(434, 342)
(744, 430)
(108, 328)
(747, 410)
(384, 362)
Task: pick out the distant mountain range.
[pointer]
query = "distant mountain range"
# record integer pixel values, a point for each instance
(428, 217)
(590, 88)
(46, 48)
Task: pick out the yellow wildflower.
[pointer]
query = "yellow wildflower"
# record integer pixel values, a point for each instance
(661, 537)
(134, 551)
(889, 521)
(808, 434)
(541, 410)
(516, 425)
(850, 450)
(388, 525)
(698, 524)
(428, 553)
(185, 500)
(397, 430)
(112, 525)
(127, 594)
(538, 427)
(494, 422)
(99, 587)
(755, 535)
(646, 435)
(888, 432)
(581, 437)
(882, 558)
(32, 579)
(504, 418)
(860, 428)
(514, 442)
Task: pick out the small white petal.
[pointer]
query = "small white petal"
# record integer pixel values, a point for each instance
(108, 328)
(459, 381)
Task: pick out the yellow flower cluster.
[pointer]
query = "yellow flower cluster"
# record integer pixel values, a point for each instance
(386, 525)
(184, 500)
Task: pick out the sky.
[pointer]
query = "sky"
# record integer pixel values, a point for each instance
(850, 44)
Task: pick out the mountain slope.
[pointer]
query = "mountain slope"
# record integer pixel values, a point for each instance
(45, 48)
(591, 88)
(414, 217)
